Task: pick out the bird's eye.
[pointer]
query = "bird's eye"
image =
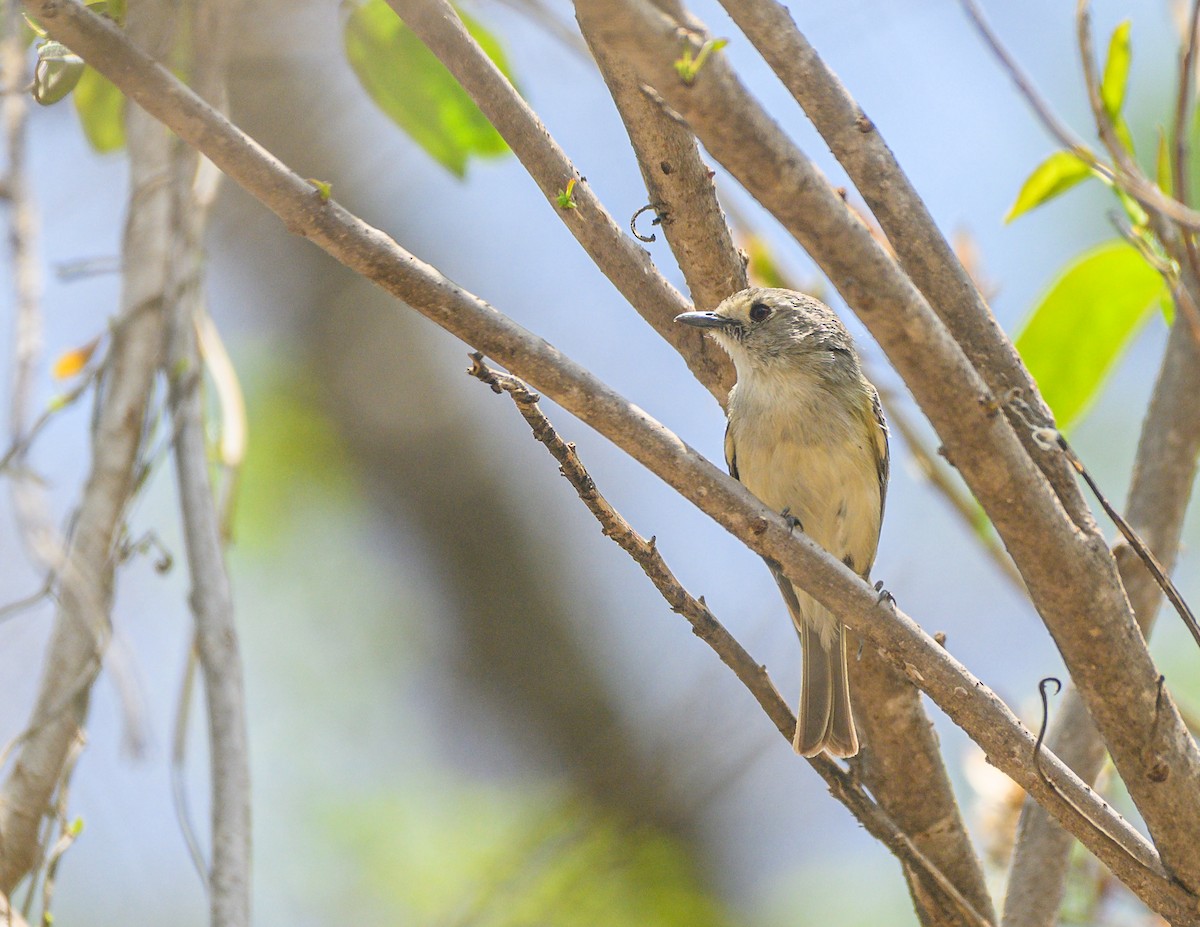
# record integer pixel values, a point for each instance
(759, 311)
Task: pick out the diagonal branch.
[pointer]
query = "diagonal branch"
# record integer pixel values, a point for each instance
(680, 184)
(844, 786)
(376, 256)
(617, 255)
(1106, 655)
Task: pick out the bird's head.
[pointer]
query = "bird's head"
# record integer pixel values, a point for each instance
(765, 329)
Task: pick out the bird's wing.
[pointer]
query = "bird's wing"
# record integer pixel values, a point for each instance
(731, 454)
(881, 444)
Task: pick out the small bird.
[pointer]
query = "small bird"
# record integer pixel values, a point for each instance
(806, 435)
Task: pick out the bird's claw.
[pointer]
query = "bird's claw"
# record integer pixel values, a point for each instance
(884, 595)
(792, 521)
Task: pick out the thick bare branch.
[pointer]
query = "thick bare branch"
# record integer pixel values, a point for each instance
(923, 251)
(901, 764)
(373, 254)
(617, 255)
(1163, 476)
(934, 890)
(1106, 654)
(81, 627)
(680, 184)
(211, 599)
(8, 915)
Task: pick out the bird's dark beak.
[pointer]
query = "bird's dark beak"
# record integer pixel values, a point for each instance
(704, 320)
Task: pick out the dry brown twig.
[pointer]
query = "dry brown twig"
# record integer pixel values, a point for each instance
(843, 785)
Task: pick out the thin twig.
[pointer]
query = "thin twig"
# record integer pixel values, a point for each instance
(1129, 174)
(179, 737)
(1062, 133)
(1165, 583)
(68, 831)
(22, 442)
(10, 609)
(211, 597)
(753, 675)
(1054, 437)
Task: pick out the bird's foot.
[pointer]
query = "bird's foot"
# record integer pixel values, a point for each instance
(884, 595)
(792, 520)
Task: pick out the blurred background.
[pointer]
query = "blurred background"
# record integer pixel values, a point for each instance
(466, 705)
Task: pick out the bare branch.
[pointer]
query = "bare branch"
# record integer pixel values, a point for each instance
(211, 599)
(680, 184)
(81, 627)
(379, 258)
(846, 788)
(9, 916)
(1163, 475)
(922, 250)
(901, 765)
(216, 634)
(620, 258)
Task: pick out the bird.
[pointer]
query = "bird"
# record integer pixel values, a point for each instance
(806, 435)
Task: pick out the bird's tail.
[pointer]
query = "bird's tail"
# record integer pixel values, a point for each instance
(825, 720)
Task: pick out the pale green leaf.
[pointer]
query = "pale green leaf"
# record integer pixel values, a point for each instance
(1057, 174)
(1116, 71)
(101, 109)
(1080, 327)
(415, 91)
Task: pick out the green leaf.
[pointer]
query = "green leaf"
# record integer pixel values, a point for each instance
(1116, 71)
(415, 91)
(1057, 174)
(1079, 328)
(101, 108)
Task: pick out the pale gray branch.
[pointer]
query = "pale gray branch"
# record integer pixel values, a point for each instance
(81, 626)
(680, 184)
(1106, 655)
(211, 597)
(373, 254)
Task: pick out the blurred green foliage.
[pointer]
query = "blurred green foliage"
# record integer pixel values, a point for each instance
(490, 856)
(294, 452)
(101, 109)
(416, 92)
